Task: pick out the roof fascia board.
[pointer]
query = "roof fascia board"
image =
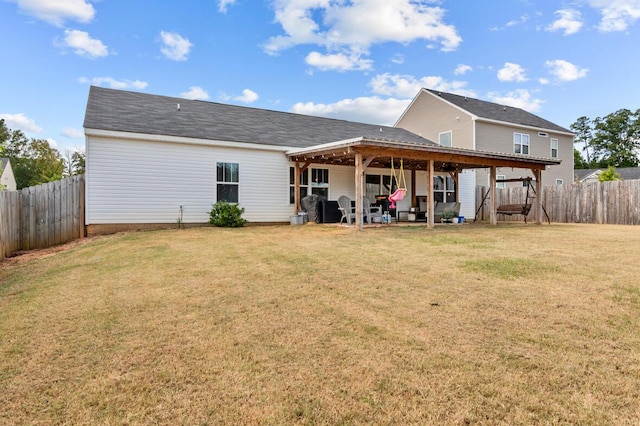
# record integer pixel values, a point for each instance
(434, 150)
(523, 126)
(324, 146)
(181, 140)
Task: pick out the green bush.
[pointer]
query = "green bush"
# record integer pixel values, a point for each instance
(226, 215)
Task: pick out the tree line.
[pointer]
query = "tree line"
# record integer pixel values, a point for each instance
(35, 161)
(610, 141)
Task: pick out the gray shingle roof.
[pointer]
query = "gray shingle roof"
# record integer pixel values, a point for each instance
(3, 163)
(626, 173)
(504, 113)
(117, 110)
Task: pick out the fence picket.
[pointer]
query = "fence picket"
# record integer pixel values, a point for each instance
(41, 216)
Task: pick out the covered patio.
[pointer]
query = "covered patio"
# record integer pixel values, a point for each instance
(365, 152)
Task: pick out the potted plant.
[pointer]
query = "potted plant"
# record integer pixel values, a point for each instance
(448, 216)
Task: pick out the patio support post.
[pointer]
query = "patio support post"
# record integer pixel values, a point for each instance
(430, 203)
(359, 192)
(493, 217)
(296, 187)
(414, 202)
(538, 176)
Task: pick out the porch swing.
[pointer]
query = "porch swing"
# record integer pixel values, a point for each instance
(399, 193)
(511, 209)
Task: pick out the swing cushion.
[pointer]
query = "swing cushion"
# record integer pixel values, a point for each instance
(510, 209)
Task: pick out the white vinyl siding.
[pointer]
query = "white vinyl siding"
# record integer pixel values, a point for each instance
(130, 181)
(467, 193)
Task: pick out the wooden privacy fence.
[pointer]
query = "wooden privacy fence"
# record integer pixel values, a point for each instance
(41, 216)
(593, 202)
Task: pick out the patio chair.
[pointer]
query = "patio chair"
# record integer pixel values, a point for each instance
(348, 212)
(371, 211)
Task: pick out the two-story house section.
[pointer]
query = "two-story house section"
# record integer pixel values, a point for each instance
(463, 122)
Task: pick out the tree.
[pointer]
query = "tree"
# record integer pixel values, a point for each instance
(34, 161)
(608, 175)
(584, 134)
(579, 161)
(613, 140)
(616, 139)
(74, 163)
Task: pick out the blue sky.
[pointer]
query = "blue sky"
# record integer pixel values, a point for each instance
(361, 60)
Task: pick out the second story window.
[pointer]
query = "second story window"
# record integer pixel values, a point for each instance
(554, 148)
(445, 138)
(521, 143)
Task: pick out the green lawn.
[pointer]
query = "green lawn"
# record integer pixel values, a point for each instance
(316, 324)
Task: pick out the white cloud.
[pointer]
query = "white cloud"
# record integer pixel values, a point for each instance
(364, 109)
(354, 26)
(514, 22)
(397, 58)
(72, 133)
(83, 44)
(338, 62)
(52, 143)
(174, 46)
(462, 69)
(512, 72)
(519, 21)
(520, 98)
(194, 93)
(407, 86)
(56, 12)
(113, 83)
(248, 96)
(21, 122)
(565, 71)
(569, 21)
(617, 15)
(222, 5)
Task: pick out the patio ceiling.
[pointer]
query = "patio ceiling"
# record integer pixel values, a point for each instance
(379, 152)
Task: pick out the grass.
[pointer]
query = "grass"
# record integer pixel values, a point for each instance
(322, 325)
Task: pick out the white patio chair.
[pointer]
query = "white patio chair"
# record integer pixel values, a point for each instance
(371, 211)
(348, 212)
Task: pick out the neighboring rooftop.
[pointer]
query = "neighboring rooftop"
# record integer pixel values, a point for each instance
(626, 173)
(124, 111)
(3, 163)
(504, 113)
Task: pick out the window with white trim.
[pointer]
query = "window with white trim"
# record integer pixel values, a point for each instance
(304, 184)
(444, 189)
(521, 143)
(446, 138)
(320, 182)
(554, 148)
(500, 185)
(228, 182)
(559, 182)
(376, 185)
